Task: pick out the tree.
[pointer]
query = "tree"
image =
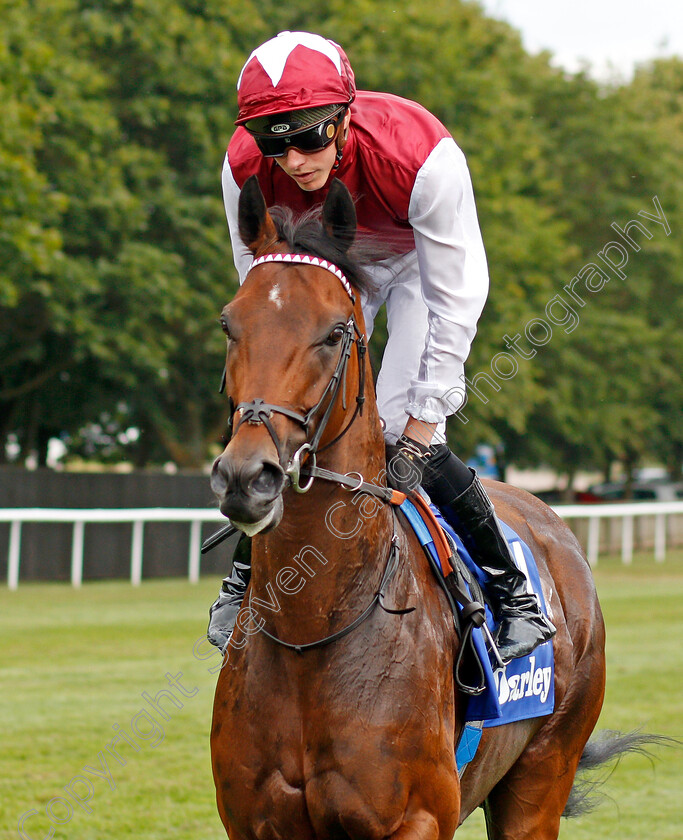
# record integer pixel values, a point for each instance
(655, 97)
(115, 259)
(118, 277)
(610, 391)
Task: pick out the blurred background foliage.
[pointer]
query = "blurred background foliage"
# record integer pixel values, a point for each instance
(115, 259)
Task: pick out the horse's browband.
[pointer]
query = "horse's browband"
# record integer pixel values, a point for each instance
(306, 259)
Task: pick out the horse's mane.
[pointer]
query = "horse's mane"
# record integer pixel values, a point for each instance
(304, 234)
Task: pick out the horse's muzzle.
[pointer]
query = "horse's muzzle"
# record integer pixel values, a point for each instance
(249, 491)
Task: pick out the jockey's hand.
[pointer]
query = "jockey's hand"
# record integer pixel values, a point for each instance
(406, 461)
(219, 630)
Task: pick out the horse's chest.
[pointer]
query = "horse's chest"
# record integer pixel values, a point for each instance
(331, 754)
(319, 775)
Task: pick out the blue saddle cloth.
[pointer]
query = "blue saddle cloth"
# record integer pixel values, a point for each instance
(525, 688)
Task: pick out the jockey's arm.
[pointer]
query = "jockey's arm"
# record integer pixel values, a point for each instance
(454, 282)
(231, 194)
(419, 431)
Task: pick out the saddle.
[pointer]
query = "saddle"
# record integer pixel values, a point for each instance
(463, 592)
(496, 694)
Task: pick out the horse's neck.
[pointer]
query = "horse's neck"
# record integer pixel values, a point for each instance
(325, 558)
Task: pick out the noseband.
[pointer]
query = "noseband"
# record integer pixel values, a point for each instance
(259, 412)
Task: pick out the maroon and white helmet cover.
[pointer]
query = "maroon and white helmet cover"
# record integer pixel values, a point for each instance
(292, 71)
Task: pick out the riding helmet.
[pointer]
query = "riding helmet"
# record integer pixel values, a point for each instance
(278, 76)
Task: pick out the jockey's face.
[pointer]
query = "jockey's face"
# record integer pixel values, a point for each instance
(311, 170)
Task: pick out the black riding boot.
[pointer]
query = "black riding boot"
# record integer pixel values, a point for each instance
(223, 612)
(460, 496)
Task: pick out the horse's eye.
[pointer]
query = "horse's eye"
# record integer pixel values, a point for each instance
(335, 336)
(224, 327)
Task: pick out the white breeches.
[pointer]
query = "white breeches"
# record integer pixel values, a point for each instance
(400, 287)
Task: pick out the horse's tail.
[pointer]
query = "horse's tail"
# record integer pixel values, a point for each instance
(609, 746)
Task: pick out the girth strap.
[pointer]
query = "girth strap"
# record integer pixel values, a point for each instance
(436, 532)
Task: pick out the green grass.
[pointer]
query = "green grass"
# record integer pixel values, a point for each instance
(74, 664)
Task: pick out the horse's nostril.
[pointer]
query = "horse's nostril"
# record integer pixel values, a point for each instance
(219, 476)
(269, 481)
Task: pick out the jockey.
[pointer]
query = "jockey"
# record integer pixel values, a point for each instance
(302, 123)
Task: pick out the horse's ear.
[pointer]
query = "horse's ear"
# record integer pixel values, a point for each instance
(256, 228)
(339, 215)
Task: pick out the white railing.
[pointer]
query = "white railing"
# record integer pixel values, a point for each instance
(139, 516)
(628, 513)
(136, 516)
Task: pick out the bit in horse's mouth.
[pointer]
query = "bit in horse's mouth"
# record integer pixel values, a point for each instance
(268, 522)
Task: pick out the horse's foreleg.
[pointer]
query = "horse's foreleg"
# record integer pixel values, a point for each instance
(232, 832)
(420, 826)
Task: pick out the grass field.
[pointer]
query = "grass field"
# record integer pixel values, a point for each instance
(75, 664)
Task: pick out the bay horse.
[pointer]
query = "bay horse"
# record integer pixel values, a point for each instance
(335, 714)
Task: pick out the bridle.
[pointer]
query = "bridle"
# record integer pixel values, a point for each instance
(259, 412)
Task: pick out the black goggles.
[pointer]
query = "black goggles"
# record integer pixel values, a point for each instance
(307, 140)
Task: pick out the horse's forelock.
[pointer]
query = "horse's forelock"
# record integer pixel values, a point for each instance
(304, 234)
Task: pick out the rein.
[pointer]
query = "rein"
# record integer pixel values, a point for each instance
(390, 568)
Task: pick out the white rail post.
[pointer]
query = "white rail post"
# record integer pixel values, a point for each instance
(195, 551)
(136, 553)
(14, 551)
(593, 540)
(660, 537)
(77, 554)
(627, 539)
